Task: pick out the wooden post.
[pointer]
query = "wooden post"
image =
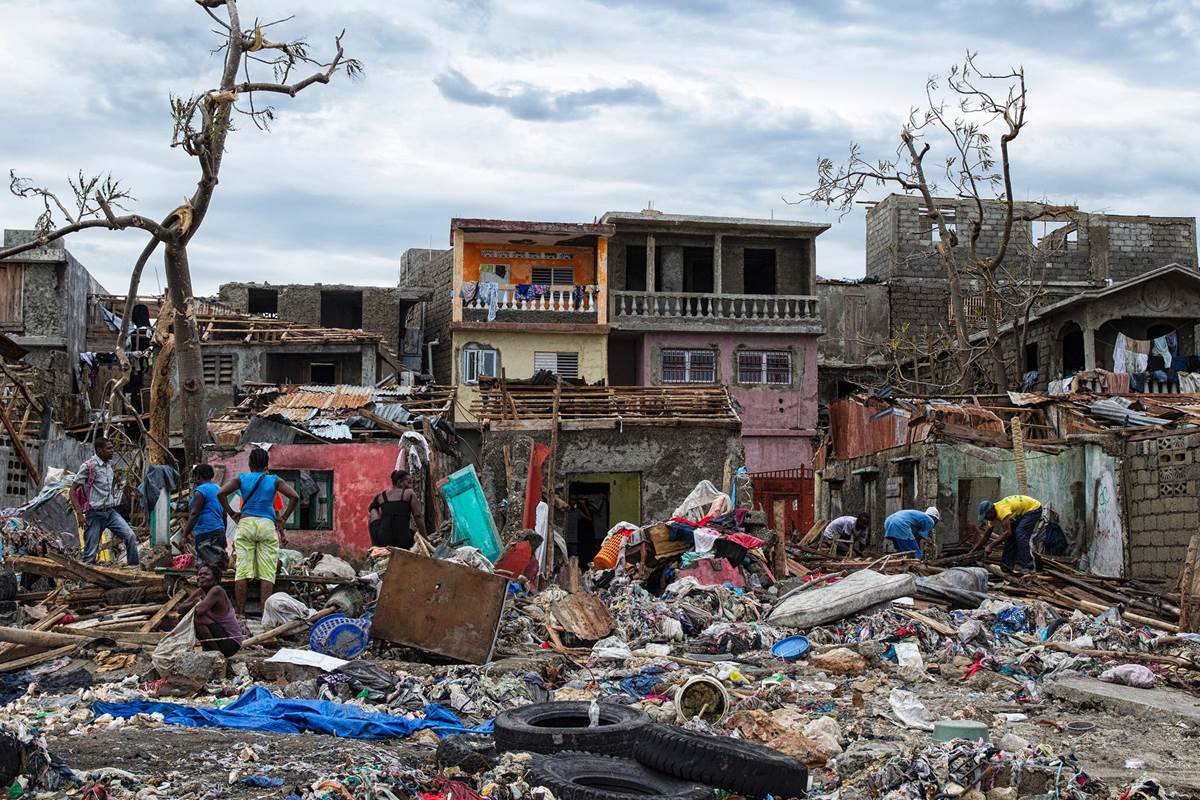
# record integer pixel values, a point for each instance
(434, 476)
(1189, 615)
(1018, 443)
(552, 474)
(19, 446)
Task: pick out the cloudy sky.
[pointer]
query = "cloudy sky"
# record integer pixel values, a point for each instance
(525, 109)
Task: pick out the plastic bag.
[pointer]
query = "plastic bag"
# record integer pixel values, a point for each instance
(611, 648)
(182, 639)
(912, 665)
(281, 607)
(1135, 675)
(909, 710)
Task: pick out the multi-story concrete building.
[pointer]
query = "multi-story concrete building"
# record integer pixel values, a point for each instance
(374, 309)
(724, 300)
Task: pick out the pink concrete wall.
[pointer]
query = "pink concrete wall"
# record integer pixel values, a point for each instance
(360, 471)
(777, 421)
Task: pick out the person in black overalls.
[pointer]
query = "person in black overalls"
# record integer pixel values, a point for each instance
(393, 512)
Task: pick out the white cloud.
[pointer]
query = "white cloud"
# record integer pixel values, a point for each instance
(704, 107)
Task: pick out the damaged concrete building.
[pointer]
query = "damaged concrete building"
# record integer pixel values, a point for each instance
(383, 310)
(722, 301)
(1094, 276)
(1118, 473)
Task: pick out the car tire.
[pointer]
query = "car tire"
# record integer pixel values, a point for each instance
(723, 762)
(471, 752)
(586, 776)
(557, 727)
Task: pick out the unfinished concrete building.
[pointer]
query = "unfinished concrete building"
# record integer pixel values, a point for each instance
(1073, 250)
(383, 310)
(699, 300)
(43, 294)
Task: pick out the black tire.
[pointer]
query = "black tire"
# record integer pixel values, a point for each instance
(555, 727)
(585, 776)
(723, 762)
(471, 752)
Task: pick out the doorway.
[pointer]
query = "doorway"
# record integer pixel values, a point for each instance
(970, 493)
(624, 362)
(1072, 349)
(598, 501)
(698, 270)
(587, 517)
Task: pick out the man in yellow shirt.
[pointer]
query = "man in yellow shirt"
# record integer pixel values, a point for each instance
(1017, 516)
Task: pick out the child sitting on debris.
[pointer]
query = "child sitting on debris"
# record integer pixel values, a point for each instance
(206, 522)
(216, 625)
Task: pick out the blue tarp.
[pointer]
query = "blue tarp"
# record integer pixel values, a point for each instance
(259, 710)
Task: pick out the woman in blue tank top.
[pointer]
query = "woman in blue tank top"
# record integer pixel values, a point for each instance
(259, 532)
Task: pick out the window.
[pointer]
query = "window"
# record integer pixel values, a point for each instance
(479, 362)
(323, 373)
(929, 229)
(977, 311)
(1031, 357)
(764, 366)
(315, 487)
(218, 369)
(758, 271)
(12, 287)
(341, 309)
(1056, 235)
(554, 276)
(563, 364)
(263, 302)
(635, 267)
(689, 366)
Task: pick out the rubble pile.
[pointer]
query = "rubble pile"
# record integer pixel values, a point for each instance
(678, 671)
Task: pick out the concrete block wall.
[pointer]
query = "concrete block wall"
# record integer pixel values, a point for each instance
(1140, 244)
(1163, 510)
(433, 269)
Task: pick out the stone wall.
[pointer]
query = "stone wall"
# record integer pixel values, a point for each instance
(433, 269)
(1162, 507)
(670, 461)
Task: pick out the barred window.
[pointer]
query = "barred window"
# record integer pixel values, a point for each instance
(765, 366)
(563, 364)
(689, 366)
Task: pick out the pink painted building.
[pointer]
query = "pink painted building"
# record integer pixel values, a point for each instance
(702, 300)
(346, 475)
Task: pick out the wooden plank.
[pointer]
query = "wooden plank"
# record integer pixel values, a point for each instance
(583, 614)
(552, 476)
(19, 445)
(161, 614)
(421, 605)
(39, 658)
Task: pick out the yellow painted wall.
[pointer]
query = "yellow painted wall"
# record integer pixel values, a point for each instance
(516, 357)
(520, 270)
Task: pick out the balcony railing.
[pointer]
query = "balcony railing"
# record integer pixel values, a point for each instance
(558, 299)
(687, 305)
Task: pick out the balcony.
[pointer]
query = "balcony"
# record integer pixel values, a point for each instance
(556, 304)
(692, 311)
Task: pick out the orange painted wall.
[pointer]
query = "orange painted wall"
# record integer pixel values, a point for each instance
(520, 270)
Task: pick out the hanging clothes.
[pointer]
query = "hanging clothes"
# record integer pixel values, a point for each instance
(469, 291)
(524, 291)
(417, 448)
(489, 293)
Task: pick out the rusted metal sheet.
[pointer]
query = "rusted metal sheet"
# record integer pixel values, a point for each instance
(584, 615)
(860, 426)
(449, 609)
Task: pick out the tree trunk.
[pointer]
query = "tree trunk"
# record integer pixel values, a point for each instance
(160, 402)
(190, 365)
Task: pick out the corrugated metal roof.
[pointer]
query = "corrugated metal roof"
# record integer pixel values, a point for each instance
(343, 397)
(336, 431)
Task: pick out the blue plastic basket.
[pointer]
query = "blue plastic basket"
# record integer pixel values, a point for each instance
(793, 648)
(341, 636)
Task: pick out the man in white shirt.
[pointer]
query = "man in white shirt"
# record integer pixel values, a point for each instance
(847, 529)
(95, 497)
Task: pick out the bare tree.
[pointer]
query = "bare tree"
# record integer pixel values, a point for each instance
(975, 171)
(202, 124)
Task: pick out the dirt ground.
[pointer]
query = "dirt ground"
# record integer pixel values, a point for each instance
(178, 761)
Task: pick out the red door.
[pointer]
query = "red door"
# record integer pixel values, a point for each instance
(786, 495)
